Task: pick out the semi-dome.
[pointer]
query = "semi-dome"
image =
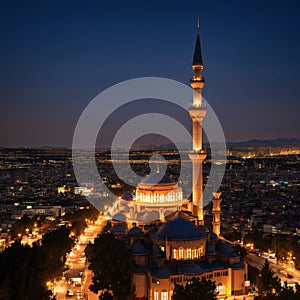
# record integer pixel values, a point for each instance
(205, 266)
(179, 228)
(216, 264)
(148, 217)
(190, 269)
(135, 231)
(162, 273)
(127, 196)
(225, 248)
(104, 229)
(119, 217)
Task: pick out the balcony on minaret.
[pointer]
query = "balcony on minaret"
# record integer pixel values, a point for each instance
(198, 104)
(197, 82)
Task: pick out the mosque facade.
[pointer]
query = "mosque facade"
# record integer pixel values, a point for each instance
(166, 232)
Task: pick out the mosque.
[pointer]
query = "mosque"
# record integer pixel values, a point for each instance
(181, 247)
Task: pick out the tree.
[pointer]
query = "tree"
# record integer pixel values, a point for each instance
(78, 227)
(25, 270)
(55, 245)
(241, 251)
(22, 273)
(196, 289)
(112, 264)
(106, 296)
(267, 283)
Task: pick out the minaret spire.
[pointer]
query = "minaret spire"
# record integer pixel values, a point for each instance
(197, 113)
(197, 82)
(197, 59)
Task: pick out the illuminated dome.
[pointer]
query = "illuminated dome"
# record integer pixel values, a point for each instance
(179, 228)
(157, 179)
(158, 188)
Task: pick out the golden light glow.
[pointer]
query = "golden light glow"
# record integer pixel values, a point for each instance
(197, 100)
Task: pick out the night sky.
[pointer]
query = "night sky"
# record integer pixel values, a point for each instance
(56, 56)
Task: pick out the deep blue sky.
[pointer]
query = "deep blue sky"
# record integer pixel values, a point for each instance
(56, 56)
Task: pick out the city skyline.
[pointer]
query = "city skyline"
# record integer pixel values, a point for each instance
(56, 58)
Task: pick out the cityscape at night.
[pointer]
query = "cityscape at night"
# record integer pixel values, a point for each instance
(149, 151)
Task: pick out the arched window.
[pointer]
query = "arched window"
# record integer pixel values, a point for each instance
(164, 295)
(175, 255)
(189, 253)
(156, 295)
(195, 253)
(181, 253)
(200, 251)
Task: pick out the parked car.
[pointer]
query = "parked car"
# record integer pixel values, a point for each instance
(70, 293)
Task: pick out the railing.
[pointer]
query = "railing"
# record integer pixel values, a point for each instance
(192, 106)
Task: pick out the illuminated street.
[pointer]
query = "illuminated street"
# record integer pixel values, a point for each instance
(280, 270)
(77, 278)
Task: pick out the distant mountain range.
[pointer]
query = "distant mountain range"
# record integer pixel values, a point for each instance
(270, 143)
(251, 143)
(185, 145)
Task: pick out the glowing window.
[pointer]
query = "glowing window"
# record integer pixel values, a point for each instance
(221, 289)
(195, 253)
(180, 253)
(164, 295)
(175, 253)
(200, 251)
(189, 253)
(155, 295)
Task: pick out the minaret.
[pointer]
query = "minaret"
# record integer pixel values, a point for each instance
(216, 213)
(197, 112)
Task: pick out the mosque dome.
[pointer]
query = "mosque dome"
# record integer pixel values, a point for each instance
(190, 269)
(225, 249)
(104, 229)
(216, 265)
(135, 231)
(158, 188)
(127, 196)
(148, 217)
(119, 217)
(157, 179)
(162, 273)
(179, 228)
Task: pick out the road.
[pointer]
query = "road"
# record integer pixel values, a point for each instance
(78, 268)
(280, 269)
